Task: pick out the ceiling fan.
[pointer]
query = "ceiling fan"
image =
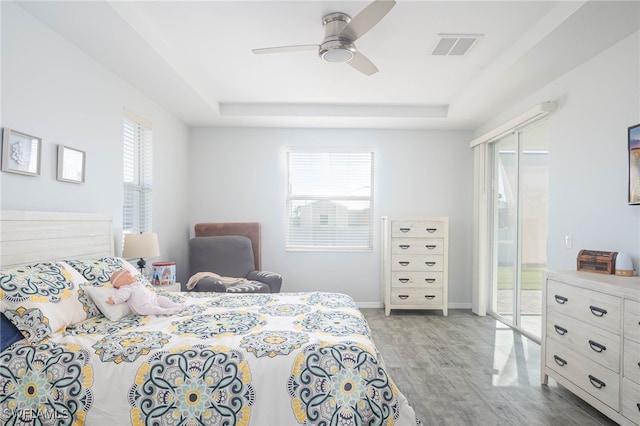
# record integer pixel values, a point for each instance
(340, 33)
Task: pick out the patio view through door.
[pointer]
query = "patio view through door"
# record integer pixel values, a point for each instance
(519, 201)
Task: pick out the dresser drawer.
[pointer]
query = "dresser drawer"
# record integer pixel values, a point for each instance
(592, 342)
(631, 369)
(413, 229)
(632, 320)
(593, 378)
(631, 401)
(417, 279)
(417, 262)
(416, 296)
(417, 246)
(592, 307)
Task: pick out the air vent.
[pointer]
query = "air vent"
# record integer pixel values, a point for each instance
(454, 44)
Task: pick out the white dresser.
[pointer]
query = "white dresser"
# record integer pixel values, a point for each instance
(414, 263)
(591, 340)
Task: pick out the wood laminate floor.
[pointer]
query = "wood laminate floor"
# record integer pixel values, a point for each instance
(469, 370)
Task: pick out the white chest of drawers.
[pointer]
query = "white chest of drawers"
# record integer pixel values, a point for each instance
(591, 340)
(415, 263)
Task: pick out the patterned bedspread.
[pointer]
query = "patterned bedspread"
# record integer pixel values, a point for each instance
(258, 359)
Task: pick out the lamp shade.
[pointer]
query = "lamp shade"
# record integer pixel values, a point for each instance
(140, 246)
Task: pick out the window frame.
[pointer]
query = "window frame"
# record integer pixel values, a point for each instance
(137, 208)
(290, 198)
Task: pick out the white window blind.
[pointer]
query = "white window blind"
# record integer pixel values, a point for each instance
(329, 200)
(136, 215)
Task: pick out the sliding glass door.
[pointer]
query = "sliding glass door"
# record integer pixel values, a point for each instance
(519, 200)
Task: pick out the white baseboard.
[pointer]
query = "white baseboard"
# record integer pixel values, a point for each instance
(459, 305)
(379, 305)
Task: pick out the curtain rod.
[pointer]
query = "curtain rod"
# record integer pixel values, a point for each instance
(538, 111)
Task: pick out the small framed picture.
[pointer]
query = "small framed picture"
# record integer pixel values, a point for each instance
(70, 164)
(20, 153)
(634, 164)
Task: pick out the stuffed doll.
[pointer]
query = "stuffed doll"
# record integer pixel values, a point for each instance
(140, 299)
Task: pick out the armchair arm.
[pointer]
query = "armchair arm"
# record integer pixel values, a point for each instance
(209, 285)
(272, 279)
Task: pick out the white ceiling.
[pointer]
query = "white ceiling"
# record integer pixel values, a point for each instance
(194, 57)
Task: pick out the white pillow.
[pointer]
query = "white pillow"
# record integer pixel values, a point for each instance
(99, 295)
(41, 299)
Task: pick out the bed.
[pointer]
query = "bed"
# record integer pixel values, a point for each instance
(246, 359)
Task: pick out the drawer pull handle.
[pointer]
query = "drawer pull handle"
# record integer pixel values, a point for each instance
(403, 296)
(599, 312)
(403, 263)
(561, 362)
(431, 230)
(430, 280)
(430, 246)
(403, 280)
(561, 299)
(430, 263)
(429, 296)
(596, 382)
(560, 330)
(597, 346)
(404, 246)
(638, 405)
(405, 229)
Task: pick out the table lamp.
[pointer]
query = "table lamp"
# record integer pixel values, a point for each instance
(141, 246)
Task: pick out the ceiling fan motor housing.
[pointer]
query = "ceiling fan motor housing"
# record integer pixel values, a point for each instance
(334, 48)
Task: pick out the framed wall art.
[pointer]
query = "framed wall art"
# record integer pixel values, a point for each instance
(634, 164)
(20, 152)
(71, 163)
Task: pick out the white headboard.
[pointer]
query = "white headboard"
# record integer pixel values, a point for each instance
(33, 236)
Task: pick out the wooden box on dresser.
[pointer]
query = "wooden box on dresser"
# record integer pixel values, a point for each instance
(591, 340)
(415, 263)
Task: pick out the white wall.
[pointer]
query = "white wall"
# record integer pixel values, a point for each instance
(53, 90)
(240, 175)
(598, 101)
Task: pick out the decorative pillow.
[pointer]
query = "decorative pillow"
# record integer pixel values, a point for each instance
(41, 299)
(97, 271)
(100, 296)
(9, 334)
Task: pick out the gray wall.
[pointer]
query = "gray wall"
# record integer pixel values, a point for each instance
(240, 175)
(597, 101)
(53, 90)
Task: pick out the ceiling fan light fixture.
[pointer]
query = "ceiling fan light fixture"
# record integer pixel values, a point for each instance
(340, 33)
(337, 55)
(337, 51)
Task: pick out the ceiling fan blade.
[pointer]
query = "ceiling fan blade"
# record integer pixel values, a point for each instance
(363, 64)
(366, 19)
(285, 49)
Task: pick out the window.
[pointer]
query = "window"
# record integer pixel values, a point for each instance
(136, 215)
(329, 200)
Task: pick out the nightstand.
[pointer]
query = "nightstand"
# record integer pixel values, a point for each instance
(175, 287)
